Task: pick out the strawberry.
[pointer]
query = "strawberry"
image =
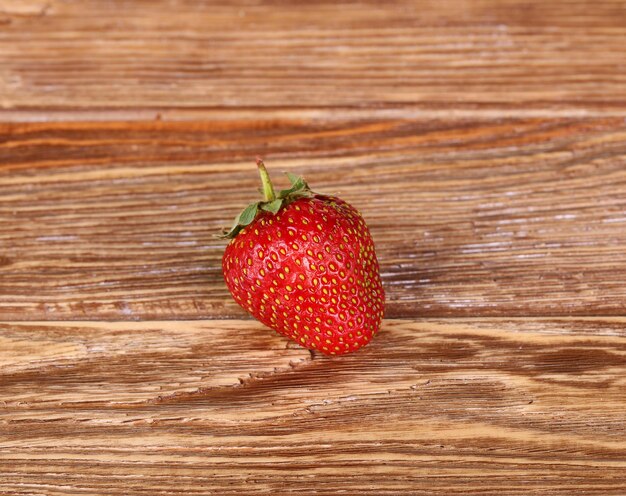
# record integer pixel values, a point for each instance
(304, 264)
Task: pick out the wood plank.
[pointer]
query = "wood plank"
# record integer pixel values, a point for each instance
(505, 55)
(114, 220)
(488, 406)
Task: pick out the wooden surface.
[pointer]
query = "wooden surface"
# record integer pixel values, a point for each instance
(485, 144)
(452, 405)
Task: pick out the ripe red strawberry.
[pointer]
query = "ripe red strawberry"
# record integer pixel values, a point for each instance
(304, 264)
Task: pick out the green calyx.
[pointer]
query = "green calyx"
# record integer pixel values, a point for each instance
(272, 202)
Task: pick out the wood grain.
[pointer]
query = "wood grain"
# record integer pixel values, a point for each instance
(480, 406)
(485, 144)
(470, 217)
(451, 55)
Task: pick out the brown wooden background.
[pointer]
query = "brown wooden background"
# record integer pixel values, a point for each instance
(485, 144)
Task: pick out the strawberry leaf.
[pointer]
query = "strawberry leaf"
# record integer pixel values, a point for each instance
(272, 203)
(292, 177)
(298, 185)
(248, 214)
(245, 217)
(273, 206)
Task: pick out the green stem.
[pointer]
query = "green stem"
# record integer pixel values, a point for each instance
(268, 189)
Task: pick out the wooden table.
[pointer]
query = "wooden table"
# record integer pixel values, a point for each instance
(485, 144)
